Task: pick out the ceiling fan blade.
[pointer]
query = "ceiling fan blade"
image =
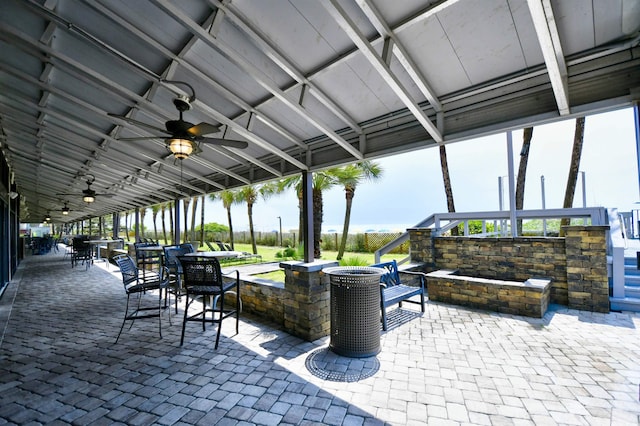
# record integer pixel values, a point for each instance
(138, 123)
(142, 138)
(225, 142)
(203, 129)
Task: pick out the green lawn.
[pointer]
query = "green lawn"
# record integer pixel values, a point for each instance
(269, 255)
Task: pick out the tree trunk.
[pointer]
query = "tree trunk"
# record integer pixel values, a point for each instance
(522, 172)
(202, 199)
(164, 225)
(447, 184)
(230, 226)
(348, 193)
(171, 225)
(194, 210)
(578, 138)
(253, 237)
(155, 225)
(185, 210)
(126, 224)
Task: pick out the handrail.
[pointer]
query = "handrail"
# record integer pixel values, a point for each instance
(616, 245)
(597, 215)
(401, 239)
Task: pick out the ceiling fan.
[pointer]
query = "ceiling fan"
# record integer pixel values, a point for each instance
(89, 195)
(181, 137)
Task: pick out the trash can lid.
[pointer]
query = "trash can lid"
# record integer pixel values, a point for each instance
(354, 270)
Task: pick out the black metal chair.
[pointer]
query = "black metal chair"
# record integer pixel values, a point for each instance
(146, 259)
(138, 284)
(171, 261)
(202, 278)
(81, 252)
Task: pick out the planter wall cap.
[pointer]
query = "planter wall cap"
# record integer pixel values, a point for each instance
(315, 266)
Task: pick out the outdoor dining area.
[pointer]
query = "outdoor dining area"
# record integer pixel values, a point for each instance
(61, 362)
(110, 111)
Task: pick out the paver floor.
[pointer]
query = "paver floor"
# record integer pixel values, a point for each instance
(59, 365)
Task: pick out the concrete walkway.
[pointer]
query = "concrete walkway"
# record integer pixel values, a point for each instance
(58, 365)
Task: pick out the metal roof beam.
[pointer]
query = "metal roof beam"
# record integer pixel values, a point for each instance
(256, 74)
(350, 28)
(400, 52)
(549, 40)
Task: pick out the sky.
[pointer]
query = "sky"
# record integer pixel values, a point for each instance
(411, 187)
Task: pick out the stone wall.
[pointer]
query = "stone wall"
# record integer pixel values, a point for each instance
(529, 298)
(264, 299)
(579, 258)
(300, 306)
(588, 285)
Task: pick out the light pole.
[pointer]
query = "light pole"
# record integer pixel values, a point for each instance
(280, 222)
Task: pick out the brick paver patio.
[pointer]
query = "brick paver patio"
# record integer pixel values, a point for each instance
(58, 365)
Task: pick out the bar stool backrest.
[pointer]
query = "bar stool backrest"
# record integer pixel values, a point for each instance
(201, 271)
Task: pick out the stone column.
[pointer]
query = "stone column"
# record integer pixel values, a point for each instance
(306, 305)
(587, 281)
(421, 246)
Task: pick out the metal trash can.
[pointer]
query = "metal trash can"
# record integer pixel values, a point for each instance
(355, 310)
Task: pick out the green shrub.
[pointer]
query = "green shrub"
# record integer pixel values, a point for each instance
(288, 253)
(353, 261)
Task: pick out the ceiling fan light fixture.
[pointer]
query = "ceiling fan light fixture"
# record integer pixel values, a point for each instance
(88, 198)
(65, 210)
(180, 148)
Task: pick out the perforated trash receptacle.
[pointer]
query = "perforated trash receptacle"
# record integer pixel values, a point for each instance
(355, 310)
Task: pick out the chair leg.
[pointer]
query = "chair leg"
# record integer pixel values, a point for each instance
(126, 312)
(238, 309)
(160, 312)
(204, 310)
(219, 323)
(184, 322)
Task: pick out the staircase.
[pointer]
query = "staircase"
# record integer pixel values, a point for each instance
(631, 301)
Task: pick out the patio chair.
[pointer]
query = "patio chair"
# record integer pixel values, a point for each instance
(244, 255)
(171, 261)
(139, 284)
(145, 260)
(202, 278)
(81, 252)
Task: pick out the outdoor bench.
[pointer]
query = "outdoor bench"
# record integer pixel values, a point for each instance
(393, 290)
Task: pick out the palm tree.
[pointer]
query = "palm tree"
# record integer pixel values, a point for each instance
(576, 153)
(202, 219)
(249, 194)
(155, 209)
(194, 208)
(444, 166)
(143, 212)
(322, 181)
(163, 208)
(170, 206)
(349, 177)
(522, 172)
(185, 210)
(228, 197)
